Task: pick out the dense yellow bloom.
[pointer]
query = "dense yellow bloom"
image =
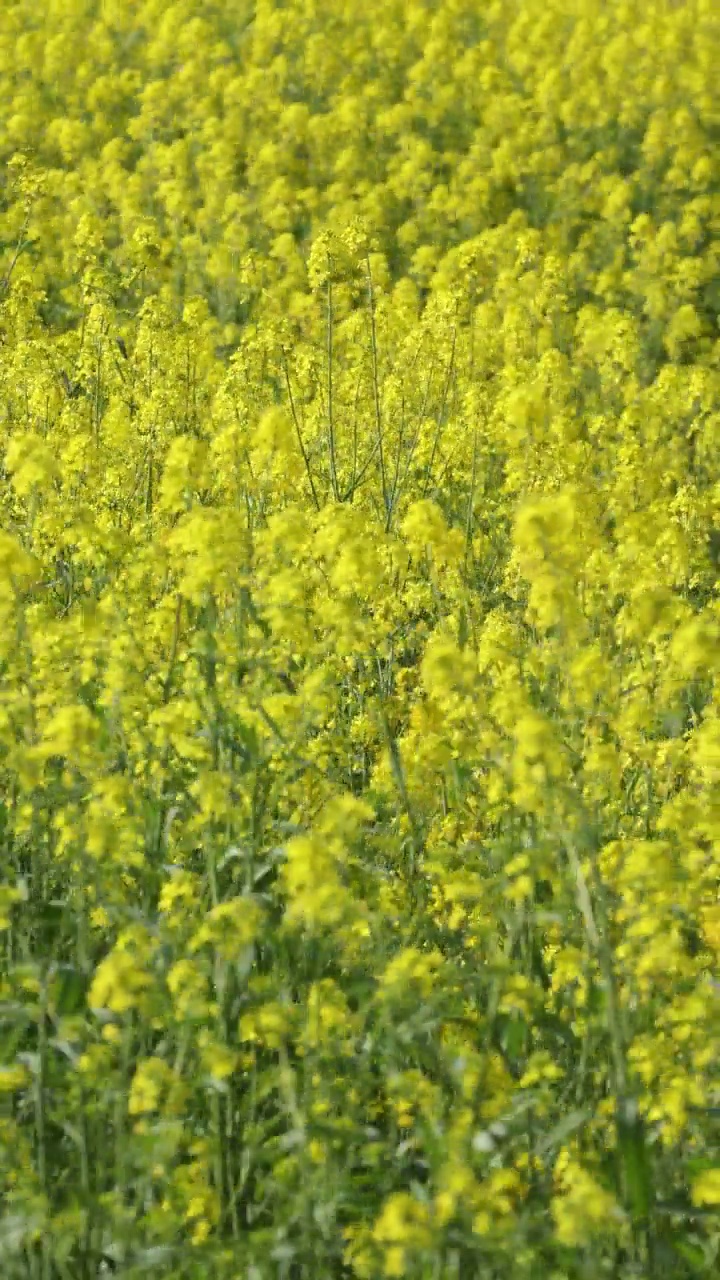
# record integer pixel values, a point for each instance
(121, 979)
(13, 1078)
(316, 892)
(179, 895)
(582, 1207)
(153, 1080)
(359, 631)
(188, 988)
(411, 970)
(329, 1018)
(313, 871)
(230, 927)
(268, 1025)
(217, 1059)
(403, 1224)
(706, 1188)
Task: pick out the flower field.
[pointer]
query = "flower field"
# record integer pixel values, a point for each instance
(359, 639)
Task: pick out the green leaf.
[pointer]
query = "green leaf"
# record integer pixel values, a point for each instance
(691, 1253)
(72, 990)
(514, 1037)
(634, 1161)
(570, 1123)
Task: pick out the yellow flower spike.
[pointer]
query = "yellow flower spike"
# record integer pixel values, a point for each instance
(178, 895)
(13, 1078)
(218, 1060)
(403, 1222)
(705, 1188)
(188, 987)
(118, 984)
(582, 1208)
(230, 927)
(408, 968)
(30, 462)
(268, 1025)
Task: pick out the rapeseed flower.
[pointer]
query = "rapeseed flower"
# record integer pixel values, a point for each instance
(359, 650)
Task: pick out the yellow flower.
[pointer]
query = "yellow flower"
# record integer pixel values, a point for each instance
(118, 984)
(268, 1025)
(408, 969)
(70, 732)
(317, 1151)
(9, 895)
(181, 473)
(581, 1208)
(30, 462)
(13, 1077)
(459, 1188)
(705, 1188)
(403, 1224)
(710, 917)
(152, 1077)
(311, 878)
(179, 896)
(230, 927)
(188, 987)
(218, 1059)
(329, 1018)
(122, 980)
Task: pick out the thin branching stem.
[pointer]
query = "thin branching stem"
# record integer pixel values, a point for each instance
(376, 390)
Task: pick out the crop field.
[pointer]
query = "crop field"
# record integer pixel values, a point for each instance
(359, 639)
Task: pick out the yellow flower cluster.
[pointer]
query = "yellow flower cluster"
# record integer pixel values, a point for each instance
(359, 637)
